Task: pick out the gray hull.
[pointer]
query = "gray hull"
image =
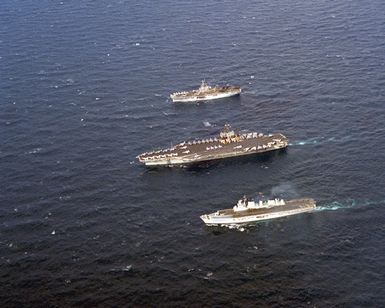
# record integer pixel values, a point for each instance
(214, 149)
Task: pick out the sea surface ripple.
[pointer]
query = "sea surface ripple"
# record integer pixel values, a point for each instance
(84, 88)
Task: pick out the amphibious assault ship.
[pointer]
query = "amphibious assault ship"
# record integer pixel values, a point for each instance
(227, 144)
(248, 211)
(204, 93)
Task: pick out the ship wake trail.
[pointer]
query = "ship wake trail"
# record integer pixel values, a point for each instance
(306, 142)
(349, 203)
(320, 140)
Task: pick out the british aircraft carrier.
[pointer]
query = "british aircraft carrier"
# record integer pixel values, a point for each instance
(227, 144)
(249, 211)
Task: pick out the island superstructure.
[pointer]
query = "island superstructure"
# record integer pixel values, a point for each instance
(204, 93)
(227, 144)
(248, 211)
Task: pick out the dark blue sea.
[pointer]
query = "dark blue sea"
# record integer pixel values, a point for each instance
(84, 88)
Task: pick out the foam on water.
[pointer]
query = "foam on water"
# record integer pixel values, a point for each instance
(306, 142)
(237, 227)
(319, 140)
(349, 203)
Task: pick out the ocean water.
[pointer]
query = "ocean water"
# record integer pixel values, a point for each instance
(84, 88)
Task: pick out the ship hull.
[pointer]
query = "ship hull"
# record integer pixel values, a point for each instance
(226, 145)
(192, 99)
(189, 160)
(229, 218)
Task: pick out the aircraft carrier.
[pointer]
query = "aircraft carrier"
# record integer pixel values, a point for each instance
(227, 144)
(249, 211)
(204, 93)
